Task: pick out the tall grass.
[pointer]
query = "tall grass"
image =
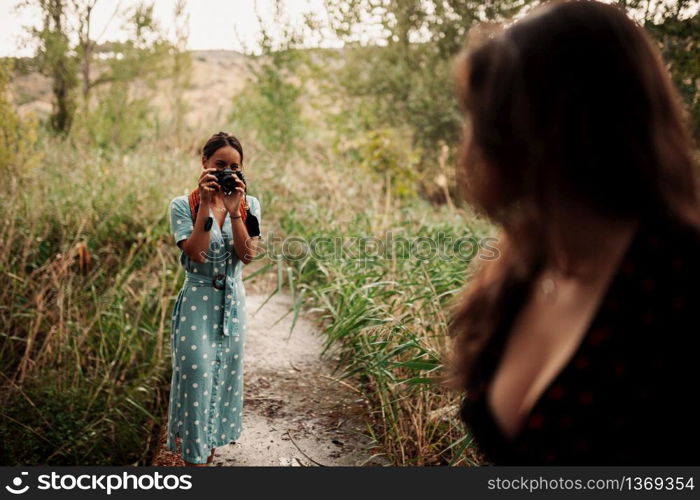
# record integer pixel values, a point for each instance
(89, 276)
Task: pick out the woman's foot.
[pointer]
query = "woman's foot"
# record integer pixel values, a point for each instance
(190, 464)
(210, 459)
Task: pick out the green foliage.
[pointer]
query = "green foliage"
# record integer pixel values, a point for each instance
(401, 96)
(270, 102)
(382, 153)
(17, 136)
(69, 426)
(118, 121)
(398, 73)
(406, 73)
(397, 70)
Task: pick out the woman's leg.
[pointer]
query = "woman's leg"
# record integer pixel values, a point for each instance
(210, 458)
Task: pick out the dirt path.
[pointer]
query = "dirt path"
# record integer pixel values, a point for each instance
(295, 412)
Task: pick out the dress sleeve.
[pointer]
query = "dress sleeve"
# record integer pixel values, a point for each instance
(180, 219)
(255, 210)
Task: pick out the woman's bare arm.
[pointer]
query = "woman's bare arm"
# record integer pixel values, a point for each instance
(197, 244)
(245, 247)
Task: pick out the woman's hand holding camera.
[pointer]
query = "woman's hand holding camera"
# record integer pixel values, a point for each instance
(233, 200)
(208, 185)
(211, 182)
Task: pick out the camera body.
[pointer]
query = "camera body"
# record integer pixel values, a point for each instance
(226, 179)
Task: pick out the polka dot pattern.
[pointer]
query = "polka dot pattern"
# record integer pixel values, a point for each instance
(202, 414)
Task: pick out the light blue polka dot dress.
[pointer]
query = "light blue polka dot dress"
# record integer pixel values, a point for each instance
(207, 336)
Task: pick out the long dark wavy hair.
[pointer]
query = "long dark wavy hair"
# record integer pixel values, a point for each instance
(573, 101)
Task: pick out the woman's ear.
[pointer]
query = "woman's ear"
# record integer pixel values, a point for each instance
(204, 162)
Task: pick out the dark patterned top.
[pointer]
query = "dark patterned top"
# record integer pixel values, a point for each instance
(628, 395)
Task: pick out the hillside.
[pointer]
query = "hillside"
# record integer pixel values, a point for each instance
(217, 75)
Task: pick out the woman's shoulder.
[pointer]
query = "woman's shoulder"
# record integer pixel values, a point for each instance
(179, 201)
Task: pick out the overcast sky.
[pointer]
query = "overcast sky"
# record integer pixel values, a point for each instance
(213, 23)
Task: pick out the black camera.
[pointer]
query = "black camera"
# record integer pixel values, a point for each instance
(226, 180)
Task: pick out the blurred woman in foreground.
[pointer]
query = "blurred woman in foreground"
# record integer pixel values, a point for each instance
(578, 344)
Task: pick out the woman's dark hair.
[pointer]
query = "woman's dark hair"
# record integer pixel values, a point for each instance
(573, 101)
(219, 140)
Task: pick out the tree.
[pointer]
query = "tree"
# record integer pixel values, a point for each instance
(55, 60)
(86, 45)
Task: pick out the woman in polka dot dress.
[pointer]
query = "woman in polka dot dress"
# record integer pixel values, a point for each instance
(209, 318)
